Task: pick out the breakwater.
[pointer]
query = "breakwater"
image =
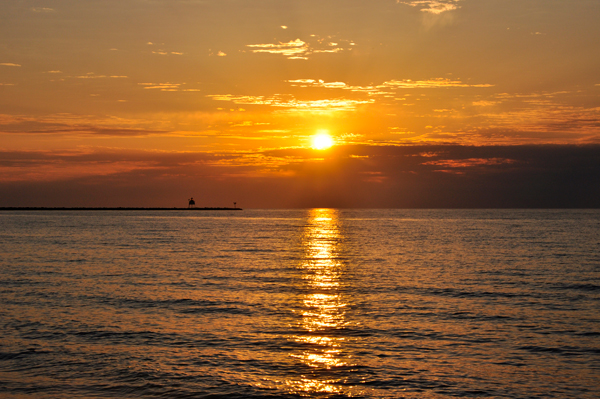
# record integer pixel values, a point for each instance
(113, 209)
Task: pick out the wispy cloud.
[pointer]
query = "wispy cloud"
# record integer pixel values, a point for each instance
(34, 166)
(386, 87)
(295, 49)
(470, 162)
(161, 86)
(163, 52)
(543, 114)
(10, 64)
(292, 104)
(219, 53)
(324, 106)
(432, 6)
(42, 9)
(300, 50)
(168, 86)
(250, 123)
(338, 102)
(484, 103)
(431, 83)
(75, 125)
(92, 75)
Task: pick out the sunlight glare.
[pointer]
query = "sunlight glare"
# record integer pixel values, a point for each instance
(322, 140)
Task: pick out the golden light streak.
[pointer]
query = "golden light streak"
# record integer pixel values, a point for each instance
(323, 306)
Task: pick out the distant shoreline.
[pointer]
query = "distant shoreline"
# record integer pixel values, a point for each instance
(113, 209)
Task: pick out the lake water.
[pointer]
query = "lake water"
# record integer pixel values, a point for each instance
(300, 303)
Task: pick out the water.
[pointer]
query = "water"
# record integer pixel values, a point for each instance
(314, 303)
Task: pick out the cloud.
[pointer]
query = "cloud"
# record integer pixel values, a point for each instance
(161, 86)
(34, 166)
(429, 84)
(292, 104)
(42, 9)
(75, 125)
(168, 86)
(318, 83)
(163, 52)
(250, 123)
(418, 176)
(484, 103)
(301, 50)
(541, 115)
(388, 87)
(92, 75)
(432, 6)
(10, 64)
(219, 53)
(469, 162)
(324, 106)
(295, 49)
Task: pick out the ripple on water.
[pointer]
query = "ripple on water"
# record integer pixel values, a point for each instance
(307, 303)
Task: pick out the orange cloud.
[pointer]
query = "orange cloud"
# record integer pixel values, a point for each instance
(350, 176)
(292, 104)
(301, 50)
(386, 87)
(468, 163)
(295, 49)
(433, 6)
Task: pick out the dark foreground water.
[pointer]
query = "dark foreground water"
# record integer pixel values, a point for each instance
(317, 303)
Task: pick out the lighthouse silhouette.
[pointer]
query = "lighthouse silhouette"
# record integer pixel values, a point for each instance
(191, 203)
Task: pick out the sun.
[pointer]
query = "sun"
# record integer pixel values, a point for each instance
(322, 140)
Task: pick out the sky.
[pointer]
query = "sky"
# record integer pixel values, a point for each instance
(430, 103)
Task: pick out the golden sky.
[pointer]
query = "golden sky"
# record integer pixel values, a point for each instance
(215, 90)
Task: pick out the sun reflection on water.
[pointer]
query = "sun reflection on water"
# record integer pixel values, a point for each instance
(323, 306)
